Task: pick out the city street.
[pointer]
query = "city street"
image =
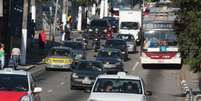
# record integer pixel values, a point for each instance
(164, 83)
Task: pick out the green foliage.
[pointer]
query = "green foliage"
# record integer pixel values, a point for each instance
(84, 2)
(188, 27)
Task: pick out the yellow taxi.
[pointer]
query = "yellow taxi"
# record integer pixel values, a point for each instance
(59, 58)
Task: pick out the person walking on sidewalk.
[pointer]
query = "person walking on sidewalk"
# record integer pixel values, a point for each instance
(15, 55)
(42, 40)
(2, 55)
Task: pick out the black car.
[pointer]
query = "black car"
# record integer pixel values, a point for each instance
(78, 49)
(118, 44)
(114, 22)
(84, 74)
(98, 24)
(130, 41)
(112, 60)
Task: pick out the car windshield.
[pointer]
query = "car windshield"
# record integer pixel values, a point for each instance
(118, 86)
(126, 37)
(129, 25)
(109, 54)
(13, 83)
(76, 46)
(115, 44)
(99, 23)
(155, 38)
(89, 66)
(60, 52)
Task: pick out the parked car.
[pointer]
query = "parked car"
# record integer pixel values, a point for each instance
(130, 41)
(119, 87)
(112, 60)
(78, 49)
(59, 57)
(118, 44)
(84, 74)
(18, 85)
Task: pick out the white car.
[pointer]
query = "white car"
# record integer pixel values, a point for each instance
(18, 85)
(118, 87)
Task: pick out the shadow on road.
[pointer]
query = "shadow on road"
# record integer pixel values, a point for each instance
(161, 66)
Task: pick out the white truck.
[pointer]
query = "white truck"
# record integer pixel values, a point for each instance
(130, 22)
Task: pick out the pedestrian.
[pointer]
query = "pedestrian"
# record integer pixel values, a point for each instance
(42, 40)
(67, 31)
(61, 30)
(2, 55)
(15, 55)
(109, 33)
(33, 26)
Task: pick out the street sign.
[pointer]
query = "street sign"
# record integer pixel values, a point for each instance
(1, 8)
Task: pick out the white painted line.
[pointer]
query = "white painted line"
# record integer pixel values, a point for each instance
(135, 66)
(62, 83)
(50, 91)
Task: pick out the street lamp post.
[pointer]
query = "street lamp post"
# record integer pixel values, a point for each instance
(24, 33)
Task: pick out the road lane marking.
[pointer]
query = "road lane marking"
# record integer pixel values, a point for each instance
(135, 66)
(50, 91)
(62, 83)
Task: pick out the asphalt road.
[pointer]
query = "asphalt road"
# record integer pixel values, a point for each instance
(164, 83)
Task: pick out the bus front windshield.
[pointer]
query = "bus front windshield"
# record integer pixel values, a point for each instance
(154, 39)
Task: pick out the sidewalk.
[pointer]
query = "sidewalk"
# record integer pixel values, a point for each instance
(190, 78)
(35, 55)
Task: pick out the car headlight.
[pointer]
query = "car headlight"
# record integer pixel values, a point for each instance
(123, 52)
(78, 56)
(90, 30)
(178, 55)
(48, 61)
(105, 30)
(26, 98)
(75, 75)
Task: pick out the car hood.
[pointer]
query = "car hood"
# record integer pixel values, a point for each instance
(110, 60)
(116, 97)
(11, 96)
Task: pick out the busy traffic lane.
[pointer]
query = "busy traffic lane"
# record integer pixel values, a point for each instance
(163, 83)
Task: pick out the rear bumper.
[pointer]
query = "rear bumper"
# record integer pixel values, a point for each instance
(57, 66)
(160, 61)
(79, 83)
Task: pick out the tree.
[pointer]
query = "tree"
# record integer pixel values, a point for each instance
(188, 27)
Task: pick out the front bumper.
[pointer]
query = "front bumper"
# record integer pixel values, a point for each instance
(160, 61)
(58, 66)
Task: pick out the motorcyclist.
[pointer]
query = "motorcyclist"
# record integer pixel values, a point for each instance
(109, 33)
(96, 42)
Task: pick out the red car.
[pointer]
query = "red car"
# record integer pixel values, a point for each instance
(18, 85)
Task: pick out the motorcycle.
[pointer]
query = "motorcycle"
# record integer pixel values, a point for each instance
(96, 41)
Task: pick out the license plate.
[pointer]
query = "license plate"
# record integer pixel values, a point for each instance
(161, 61)
(86, 81)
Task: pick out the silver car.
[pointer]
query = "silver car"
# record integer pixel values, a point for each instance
(130, 41)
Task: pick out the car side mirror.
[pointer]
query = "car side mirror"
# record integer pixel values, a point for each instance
(37, 90)
(148, 93)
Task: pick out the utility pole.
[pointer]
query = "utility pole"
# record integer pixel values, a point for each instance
(65, 12)
(33, 10)
(55, 19)
(24, 33)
